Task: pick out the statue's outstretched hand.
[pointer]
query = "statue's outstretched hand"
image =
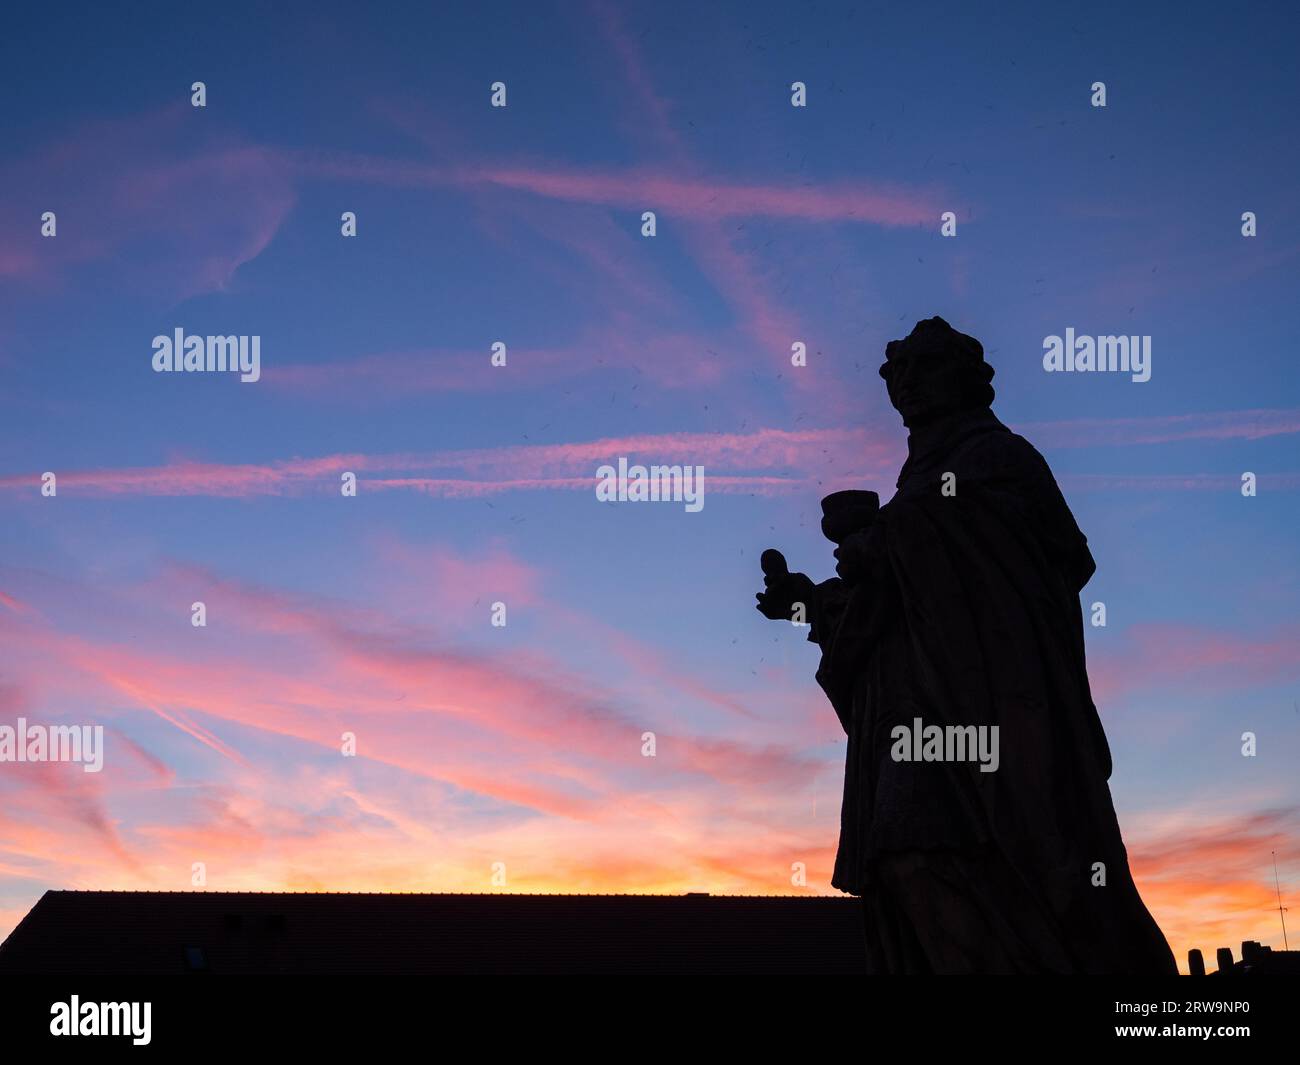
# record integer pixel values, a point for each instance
(783, 589)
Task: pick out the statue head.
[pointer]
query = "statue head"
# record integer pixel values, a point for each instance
(936, 371)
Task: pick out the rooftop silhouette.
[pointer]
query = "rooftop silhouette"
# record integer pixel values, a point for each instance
(195, 932)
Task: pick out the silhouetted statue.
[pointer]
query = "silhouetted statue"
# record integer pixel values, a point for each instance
(977, 824)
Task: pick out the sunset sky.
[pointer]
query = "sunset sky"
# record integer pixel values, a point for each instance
(522, 745)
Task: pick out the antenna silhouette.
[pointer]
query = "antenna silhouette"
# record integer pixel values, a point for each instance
(1281, 910)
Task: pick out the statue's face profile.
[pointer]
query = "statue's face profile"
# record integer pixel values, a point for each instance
(923, 384)
(936, 371)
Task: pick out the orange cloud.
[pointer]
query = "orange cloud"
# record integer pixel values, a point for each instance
(1209, 882)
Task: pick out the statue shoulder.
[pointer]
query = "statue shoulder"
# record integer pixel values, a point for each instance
(1009, 454)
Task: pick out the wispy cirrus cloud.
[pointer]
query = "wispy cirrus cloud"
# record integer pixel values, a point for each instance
(699, 197)
(1173, 482)
(10, 603)
(731, 461)
(672, 362)
(1164, 428)
(720, 199)
(1172, 656)
(323, 666)
(764, 461)
(170, 210)
(1207, 879)
(550, 759)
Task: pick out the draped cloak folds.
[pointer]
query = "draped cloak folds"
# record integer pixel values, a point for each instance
(968, 614)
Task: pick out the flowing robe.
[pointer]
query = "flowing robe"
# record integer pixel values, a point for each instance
(968, 614)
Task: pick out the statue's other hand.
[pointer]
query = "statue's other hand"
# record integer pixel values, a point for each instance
(851, 558)
(782, 592)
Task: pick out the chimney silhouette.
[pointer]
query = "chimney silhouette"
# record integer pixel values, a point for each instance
(1252, 952)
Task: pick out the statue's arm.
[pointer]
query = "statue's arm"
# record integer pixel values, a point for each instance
(826, 610)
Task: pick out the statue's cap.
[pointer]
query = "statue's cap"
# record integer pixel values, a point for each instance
(934, 336)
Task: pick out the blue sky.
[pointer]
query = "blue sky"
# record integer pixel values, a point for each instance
(522, 224)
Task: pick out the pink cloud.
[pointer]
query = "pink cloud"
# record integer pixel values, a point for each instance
(118, 187)
(1174, 482)
(403, 374)
(1181, 656)
(411, 704)
(1163, 429)
(672, 361)
(731, 461)
(763, 461)
(418, 574)
(16, 605)
(1208, 878)
(714, 199)
(643, 189)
